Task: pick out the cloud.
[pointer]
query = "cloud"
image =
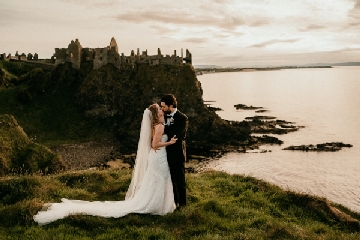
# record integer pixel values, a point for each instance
(357, 4)
(355, 11)
(5, 15)
(12, 17)
(181, 18)
(259, 22)
(221, 1)
(196, 40)
(162, 29)
(274, 41)
(280, 59)
(312, 27)
(354, 15)
(91, 4)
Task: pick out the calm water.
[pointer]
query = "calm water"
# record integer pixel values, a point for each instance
(325, 101)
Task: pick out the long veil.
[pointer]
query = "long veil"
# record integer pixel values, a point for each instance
(142, 155)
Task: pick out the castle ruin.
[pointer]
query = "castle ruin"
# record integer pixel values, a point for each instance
(76, 54)
(18, 57)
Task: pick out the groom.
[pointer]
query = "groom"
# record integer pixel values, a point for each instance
(176, 123)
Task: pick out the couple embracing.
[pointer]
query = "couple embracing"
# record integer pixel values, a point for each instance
(158, 180)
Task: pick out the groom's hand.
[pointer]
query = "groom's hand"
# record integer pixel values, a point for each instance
(173, 139)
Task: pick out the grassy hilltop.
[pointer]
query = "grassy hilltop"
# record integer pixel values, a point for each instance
(220, 207)
(19, 154)
(47, 106)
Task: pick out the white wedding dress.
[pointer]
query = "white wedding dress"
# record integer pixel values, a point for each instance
(150, 192)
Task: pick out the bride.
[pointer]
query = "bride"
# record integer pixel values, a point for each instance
(150, 190)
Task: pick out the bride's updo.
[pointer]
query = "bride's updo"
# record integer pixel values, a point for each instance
(154, 109)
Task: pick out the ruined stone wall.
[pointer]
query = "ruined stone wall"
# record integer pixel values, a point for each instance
(100, 58)
(88, 54)
(188, 58)
(23, 58)
(113, 45)
(113, 57)
(171, 60)
(13, 58)
(60, 55)
(74, 53)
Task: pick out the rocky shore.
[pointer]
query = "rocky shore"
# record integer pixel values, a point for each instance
(244, 107)
(324, 147)
(110, 153)
(271, 126)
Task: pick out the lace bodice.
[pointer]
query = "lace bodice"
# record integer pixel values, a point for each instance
(164, 138)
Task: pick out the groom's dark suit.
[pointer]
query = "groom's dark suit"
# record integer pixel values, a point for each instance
(176, 155)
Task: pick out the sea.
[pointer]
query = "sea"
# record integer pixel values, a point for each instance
(325, 101)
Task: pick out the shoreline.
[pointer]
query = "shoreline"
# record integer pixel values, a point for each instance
(201, 71)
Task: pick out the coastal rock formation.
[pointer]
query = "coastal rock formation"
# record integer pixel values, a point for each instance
(18, 154)
(214, 109)
(85, 104)
(121, 95)
(244, 107)
(271, 126)
(81, 105)
(260, 118)
(261, 111)
(208, 105)
(324, 147)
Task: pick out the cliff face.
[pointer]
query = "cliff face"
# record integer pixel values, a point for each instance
(3, 81)
(124, 94)
(83, 104)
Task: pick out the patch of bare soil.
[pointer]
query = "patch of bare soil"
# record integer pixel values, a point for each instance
(86, 155)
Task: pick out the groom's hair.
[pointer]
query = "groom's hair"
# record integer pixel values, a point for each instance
(169, 99)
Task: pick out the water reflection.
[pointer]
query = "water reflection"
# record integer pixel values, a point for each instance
(325, 101)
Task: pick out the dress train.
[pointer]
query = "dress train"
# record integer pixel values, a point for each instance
(154, 196)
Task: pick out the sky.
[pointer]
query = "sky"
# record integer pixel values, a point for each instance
(226, 33)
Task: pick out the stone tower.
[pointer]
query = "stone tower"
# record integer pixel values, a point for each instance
(74, 53)
(113, 45)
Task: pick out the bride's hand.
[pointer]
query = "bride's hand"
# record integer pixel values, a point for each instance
(155, 149)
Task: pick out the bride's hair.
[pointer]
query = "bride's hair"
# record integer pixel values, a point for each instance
(154, 109)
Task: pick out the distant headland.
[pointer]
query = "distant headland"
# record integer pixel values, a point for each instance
(203, 69)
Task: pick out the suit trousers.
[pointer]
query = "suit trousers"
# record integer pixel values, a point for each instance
(176, 161)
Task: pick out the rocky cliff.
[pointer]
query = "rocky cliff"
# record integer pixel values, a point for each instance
(85, 104)
(123, 95)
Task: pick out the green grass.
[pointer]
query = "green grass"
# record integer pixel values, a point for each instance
(221, 206)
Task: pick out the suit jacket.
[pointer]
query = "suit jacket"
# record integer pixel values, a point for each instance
(177, 127)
